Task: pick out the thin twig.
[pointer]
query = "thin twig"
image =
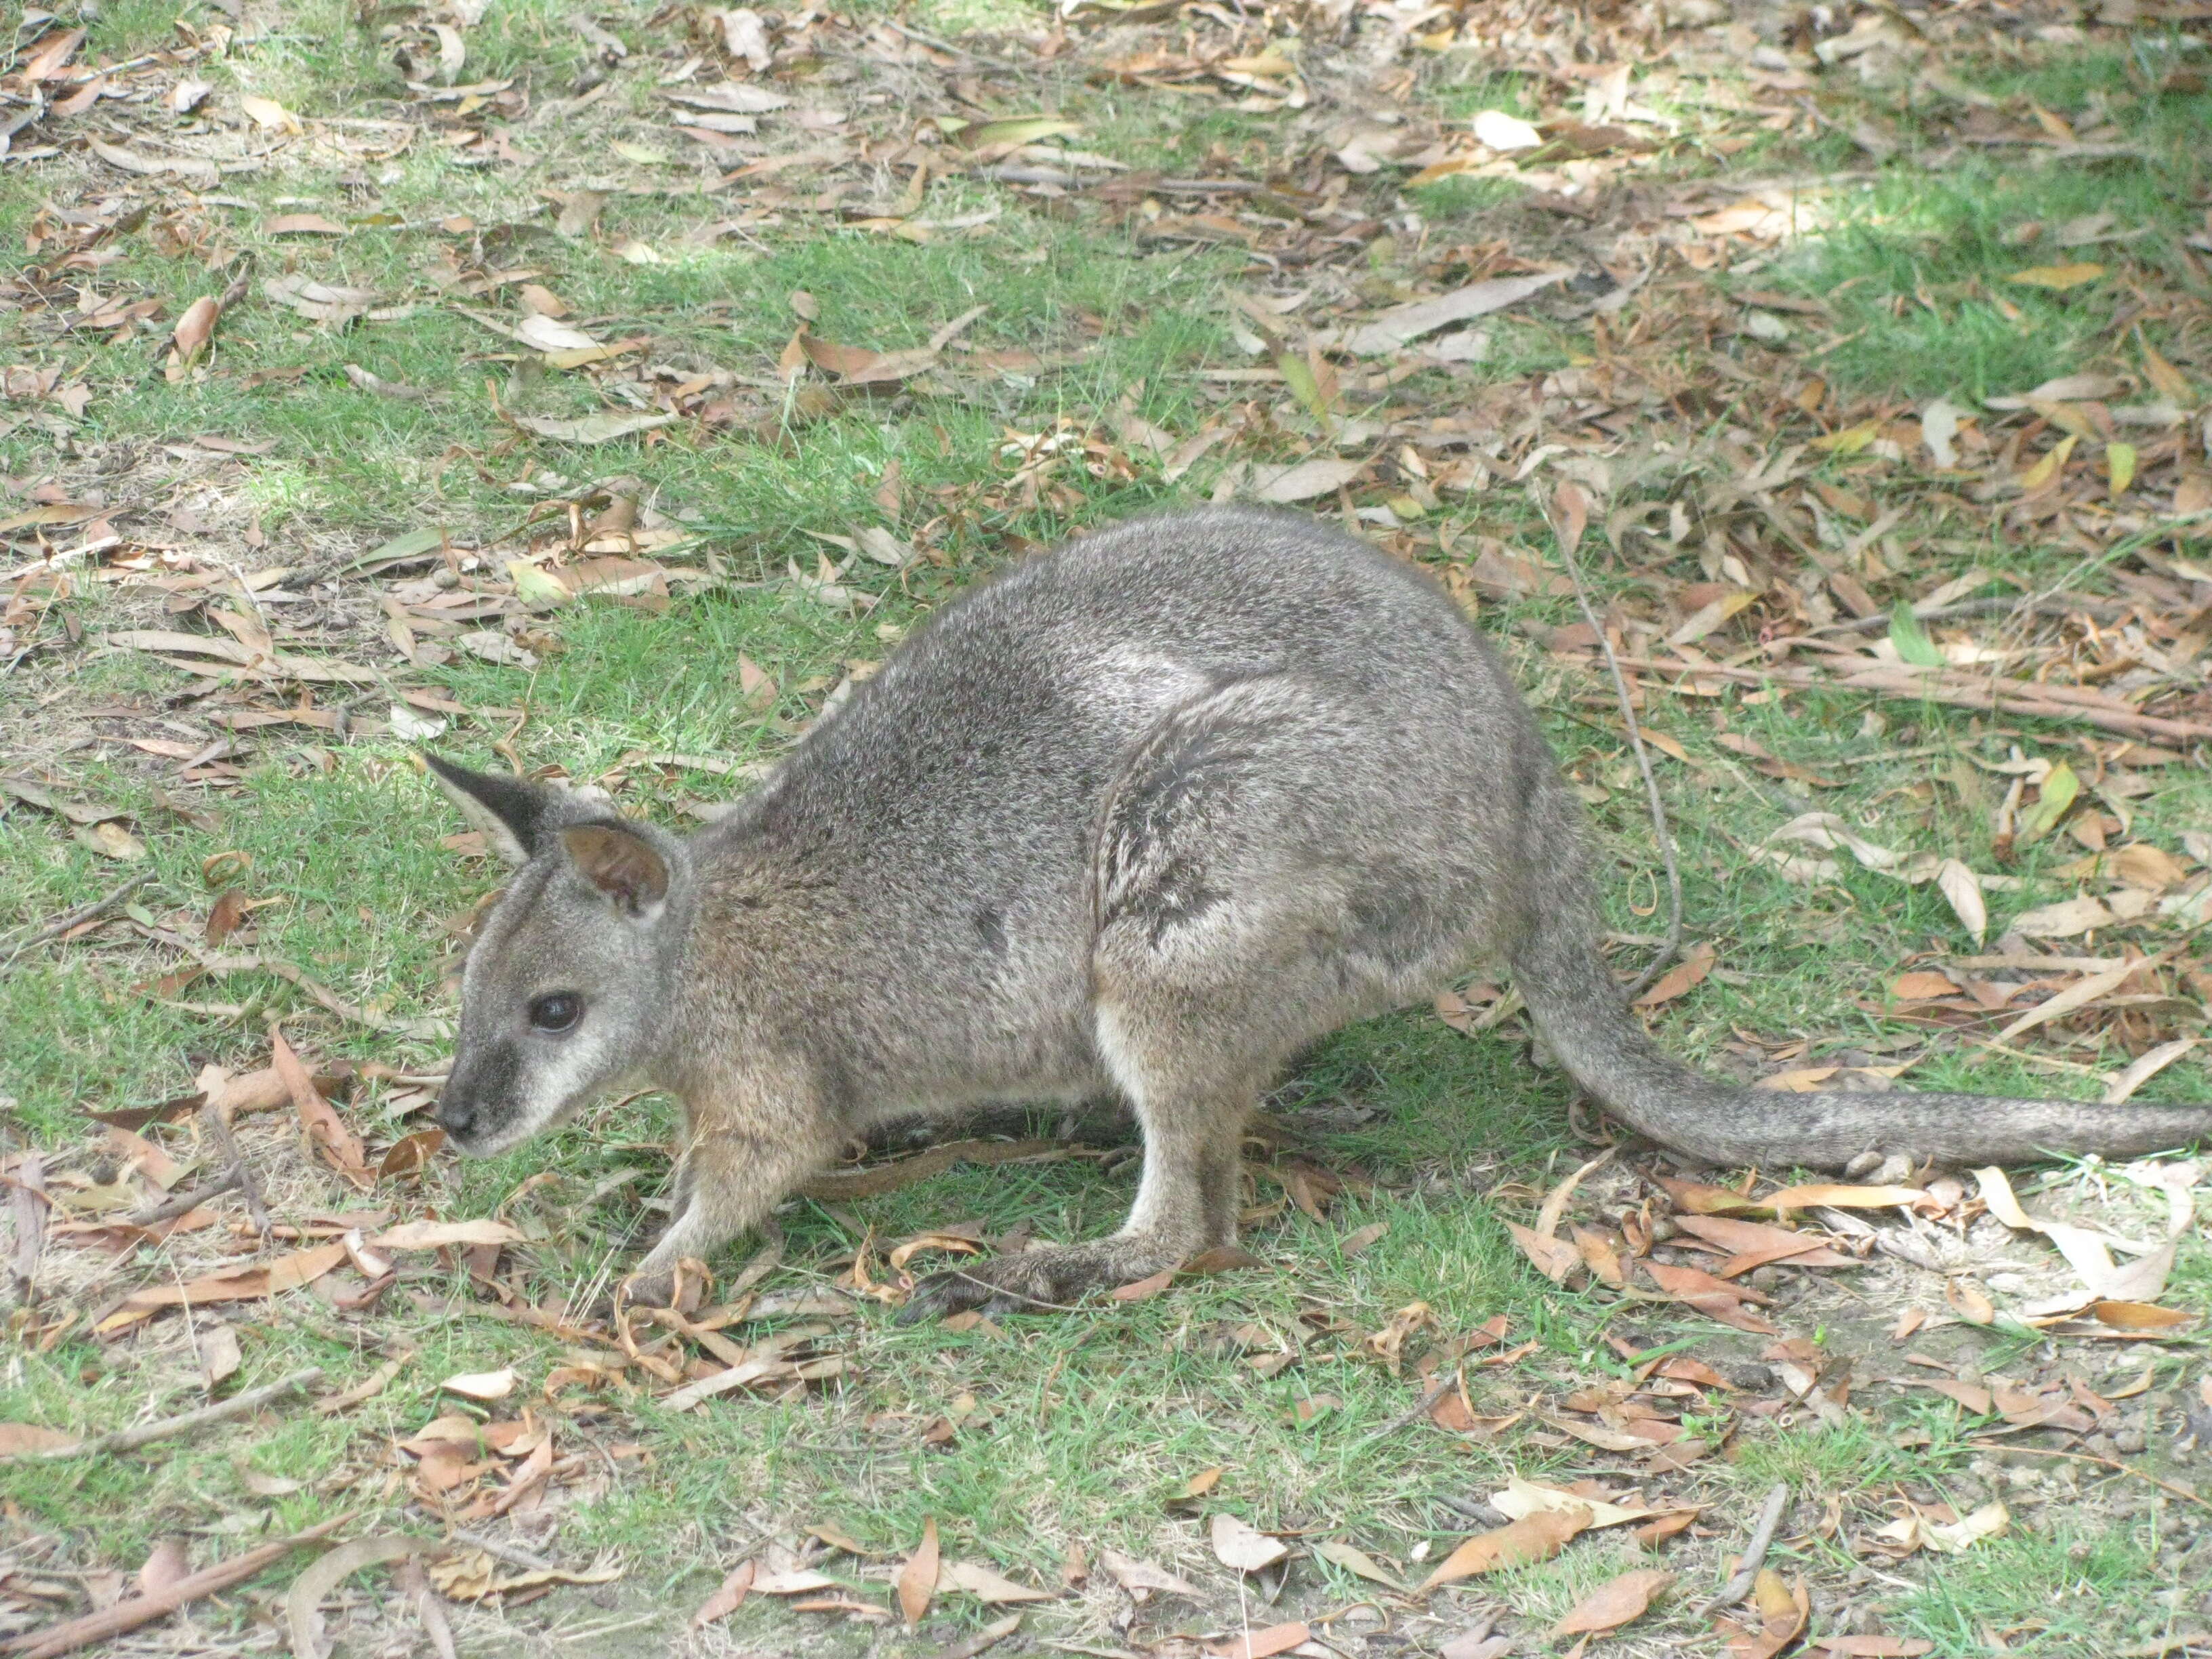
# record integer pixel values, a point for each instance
(82, 914)
(513, 1555)
(1673, 947)
(1762, 1539)
(185, 1203)
(2103, 611)
(219, 1131)
(921, 38)
(238, 1405)
(1414, 1413)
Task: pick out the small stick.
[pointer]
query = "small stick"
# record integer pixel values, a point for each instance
(1762, 1539)
(219, 1131)
(238, 1405)
(1419, 1409)
(1672, 946)
(513, 1555)
(920, 38)
(2105, 611)
(82, 914)
(50, 1640)
(185, 1203)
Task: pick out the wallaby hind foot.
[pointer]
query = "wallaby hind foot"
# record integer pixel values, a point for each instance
(1146, 815)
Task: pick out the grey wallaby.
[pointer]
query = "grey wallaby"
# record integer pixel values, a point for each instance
(1147, 814)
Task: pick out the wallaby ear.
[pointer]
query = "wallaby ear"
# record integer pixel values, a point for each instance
(620, 863)
(515, 815)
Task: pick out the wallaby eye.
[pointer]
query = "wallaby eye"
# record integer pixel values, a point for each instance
(556, 1011)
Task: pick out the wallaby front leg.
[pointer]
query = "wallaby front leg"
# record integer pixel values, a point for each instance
(728, 1182)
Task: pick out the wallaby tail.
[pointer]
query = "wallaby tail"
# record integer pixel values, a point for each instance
(1577, 1008)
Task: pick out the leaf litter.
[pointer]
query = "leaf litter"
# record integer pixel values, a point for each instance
(2049, 461)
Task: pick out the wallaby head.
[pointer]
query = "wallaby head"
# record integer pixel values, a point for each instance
(568, 986)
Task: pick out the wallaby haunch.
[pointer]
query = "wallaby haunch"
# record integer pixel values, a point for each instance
(1149, 813)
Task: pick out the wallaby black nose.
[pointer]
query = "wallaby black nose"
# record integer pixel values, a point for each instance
(456, 1117)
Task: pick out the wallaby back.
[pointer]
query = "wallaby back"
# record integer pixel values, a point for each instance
(1145, 814)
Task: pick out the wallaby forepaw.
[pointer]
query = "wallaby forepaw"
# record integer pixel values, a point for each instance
(1049, 1281)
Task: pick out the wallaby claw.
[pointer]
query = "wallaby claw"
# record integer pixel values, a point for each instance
(644, 1289)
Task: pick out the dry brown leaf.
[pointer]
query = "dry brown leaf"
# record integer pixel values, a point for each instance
(1239, 1545)
(2139, 1316)
(1135, 1576)
(1841, 1197)
(1555, 1258)
(987, 1584)
(481, 1385)
(1536, 1537)
(917, 1579)
(1522, 1498)
(1781, 1612)
(1357, 1562)
(437, 1235)
(1262, 1644)
(325, 1130)
(1683, 976)
(729, 1596)
(1615, 1603)
(219, 1356)
(1714, 1298)
(1968, 1302)
(165, 1566)
(21, 1439)
(286, 1273)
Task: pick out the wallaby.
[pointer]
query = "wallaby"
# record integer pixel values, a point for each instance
(1148, 813)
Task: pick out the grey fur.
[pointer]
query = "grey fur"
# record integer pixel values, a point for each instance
(1147, 814)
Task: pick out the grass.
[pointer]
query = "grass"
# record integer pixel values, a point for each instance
(1070, 1433)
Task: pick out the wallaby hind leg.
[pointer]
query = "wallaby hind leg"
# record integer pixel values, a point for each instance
(1192, 1118)
(1232, 931)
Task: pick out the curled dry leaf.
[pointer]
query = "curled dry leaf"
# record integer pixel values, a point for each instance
(302, 1602)
(168, 1566)
(193, 332)
(1782, 1610)
(219, 1356)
